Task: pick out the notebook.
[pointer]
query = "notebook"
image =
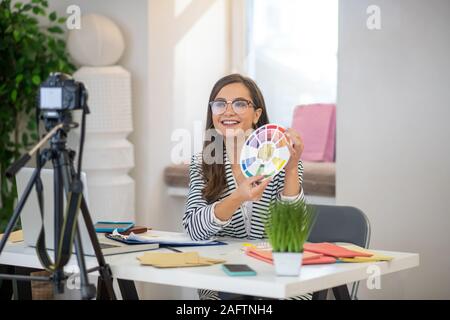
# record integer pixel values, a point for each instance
(308, 257)
(373, 258)
(330, 249)
(176, 259)
(163, 238)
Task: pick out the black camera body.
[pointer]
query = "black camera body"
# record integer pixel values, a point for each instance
(61, 93)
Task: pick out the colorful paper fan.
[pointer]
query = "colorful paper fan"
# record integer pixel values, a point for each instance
(265, 152)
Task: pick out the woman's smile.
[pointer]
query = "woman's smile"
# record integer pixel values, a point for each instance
(228, 123)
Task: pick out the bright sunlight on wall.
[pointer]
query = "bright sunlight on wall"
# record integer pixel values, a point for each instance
(292, 53)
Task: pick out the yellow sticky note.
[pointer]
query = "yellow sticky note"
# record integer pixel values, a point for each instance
(16, 236)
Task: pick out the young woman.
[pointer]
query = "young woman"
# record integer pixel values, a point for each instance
(221, 200)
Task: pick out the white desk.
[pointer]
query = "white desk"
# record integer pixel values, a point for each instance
(313, 278)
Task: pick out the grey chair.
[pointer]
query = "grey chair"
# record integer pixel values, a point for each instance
(341, 224)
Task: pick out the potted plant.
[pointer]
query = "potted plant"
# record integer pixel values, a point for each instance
(32, 45)
(288, 228)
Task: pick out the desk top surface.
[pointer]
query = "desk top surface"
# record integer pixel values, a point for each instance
(312, 277)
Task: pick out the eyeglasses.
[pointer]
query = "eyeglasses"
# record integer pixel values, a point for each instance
(239, 105)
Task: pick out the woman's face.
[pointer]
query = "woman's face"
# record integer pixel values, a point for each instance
(231, 123)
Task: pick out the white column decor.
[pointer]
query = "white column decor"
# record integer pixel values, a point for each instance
(108, 156)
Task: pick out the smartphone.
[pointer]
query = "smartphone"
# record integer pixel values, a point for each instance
(238, 270)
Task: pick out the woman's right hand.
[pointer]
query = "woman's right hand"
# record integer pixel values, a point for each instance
(251, 189)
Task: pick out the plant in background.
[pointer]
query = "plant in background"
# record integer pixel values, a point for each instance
(29, 52)
(289, 225)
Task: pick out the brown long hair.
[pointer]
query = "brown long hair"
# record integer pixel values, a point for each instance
(214, 173)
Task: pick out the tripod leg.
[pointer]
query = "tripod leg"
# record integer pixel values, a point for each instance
(105, 271)
(58, 190)
(65, 181)
(87, 289)
(12, 222)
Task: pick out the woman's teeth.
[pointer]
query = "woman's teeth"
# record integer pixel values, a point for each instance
(230, 122)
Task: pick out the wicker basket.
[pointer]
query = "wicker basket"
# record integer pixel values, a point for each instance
(41, 290)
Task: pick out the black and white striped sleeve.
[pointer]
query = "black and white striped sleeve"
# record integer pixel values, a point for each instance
(300, 196)
(198, 218)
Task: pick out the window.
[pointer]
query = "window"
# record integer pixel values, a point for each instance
(292, 53)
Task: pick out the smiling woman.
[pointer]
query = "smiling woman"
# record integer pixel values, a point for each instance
(232, 124)
(221, 200)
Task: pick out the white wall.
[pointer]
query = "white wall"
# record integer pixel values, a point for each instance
(175, 51)
(392, 135)
(188, 52)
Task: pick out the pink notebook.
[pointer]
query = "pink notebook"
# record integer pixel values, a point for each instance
(308, 257)
(330, 249)
(316, 124)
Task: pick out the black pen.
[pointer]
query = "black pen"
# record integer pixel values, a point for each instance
(173, 249)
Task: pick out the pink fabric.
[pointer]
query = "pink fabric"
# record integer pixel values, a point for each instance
(316, 124)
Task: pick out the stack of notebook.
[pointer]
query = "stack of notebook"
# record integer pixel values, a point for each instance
(323, 253)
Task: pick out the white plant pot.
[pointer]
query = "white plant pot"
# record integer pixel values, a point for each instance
(287, 263)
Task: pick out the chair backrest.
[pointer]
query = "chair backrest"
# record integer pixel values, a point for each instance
(341, 224)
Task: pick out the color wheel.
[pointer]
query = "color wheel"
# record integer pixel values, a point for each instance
(265, 152)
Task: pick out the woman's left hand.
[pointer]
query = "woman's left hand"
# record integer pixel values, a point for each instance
(295, 145)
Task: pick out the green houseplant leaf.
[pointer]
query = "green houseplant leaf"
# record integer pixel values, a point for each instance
(26, 59)
(289, 225)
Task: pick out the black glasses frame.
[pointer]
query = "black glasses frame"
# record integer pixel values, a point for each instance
(249, 103)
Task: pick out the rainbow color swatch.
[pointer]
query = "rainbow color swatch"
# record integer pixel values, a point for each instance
(265, 152)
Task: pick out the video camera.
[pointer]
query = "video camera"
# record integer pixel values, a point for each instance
(61, 93)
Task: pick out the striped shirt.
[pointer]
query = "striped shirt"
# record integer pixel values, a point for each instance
(199, 220)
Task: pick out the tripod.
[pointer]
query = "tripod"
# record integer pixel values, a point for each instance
(66, 231)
